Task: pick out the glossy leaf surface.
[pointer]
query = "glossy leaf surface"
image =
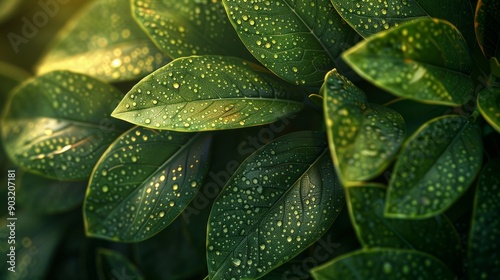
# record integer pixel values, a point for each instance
(143, 182)
(435, 236)
(363, 138)
(184, 27)
(208, 93)
(384, 264)
(280, 201)
(435, 167)
(103, 41)
(114, 265)
(371, 16)
(297, 40)
(484, 244)
(488, 103)
(425, 60)
(63, 136)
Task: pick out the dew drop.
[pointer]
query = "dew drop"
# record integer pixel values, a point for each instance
(236, 262)
(105, 189)
(162, 214)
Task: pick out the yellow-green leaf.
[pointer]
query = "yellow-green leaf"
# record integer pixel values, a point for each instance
(488, 102)
(425, 60)
(203, 93)
(103, 41)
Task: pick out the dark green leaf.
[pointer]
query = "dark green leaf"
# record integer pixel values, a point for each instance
(384, 264)
(426, 60)
(36, 240)
(105, 42)
(484, 242)
(435, 235)
(143, 182)
(487, 27)
(170, 255)
(208, 93)
(10, 76)
(416, 114)
(44, 196)
(184, 27)
(113, 265)
(280, 201)
(297, 40)
(363, 138)
(58, 124)
(7, 8)
(372, 16)
(435, 167)
(488, 102)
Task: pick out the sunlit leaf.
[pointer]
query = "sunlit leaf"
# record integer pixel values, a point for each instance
(435, 235)
(36, 240)
(384, 264)
(487, 27)
(297, 40)
(208, 93)
(114, 265)
(371, 16)
(488, 102)
(435, 167)
(281, 200)
(170, 254)
(58, 124)
(103, 41)
(484, 242)
(363, 138)
(41, 195)
(143, 182)
(8, 7)
(425, 60)
(184, 27)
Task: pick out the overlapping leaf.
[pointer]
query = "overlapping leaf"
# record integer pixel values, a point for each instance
(371, 16)
(364, 138)
(384, 264)
(105, 42)
(425, 60)
(208, 93)
(484, 244)
(44, 196)
(488, 102)
(297, 40)
(435, 236)
(487, 27)
(279, 201)
(143, 182)
(435, 167)
(184, 27)
(113, 265)
(58, 124)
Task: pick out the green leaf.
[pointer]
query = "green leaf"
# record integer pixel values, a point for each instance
(435, 167)
(183, 27)
(10, 77)
(484, 245)
(281, 200)
(366, 208)
(170, 255)
(488, 102)
(36, 240)
(58, 125)
(487, 27)
(297, 40)
(384, 264)
(114, 265)
(8, 8)
(143, 182)
(208, 93)
(425, 60)
(103, 41)
(44, 196)
(363, 138)
(372, 16)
